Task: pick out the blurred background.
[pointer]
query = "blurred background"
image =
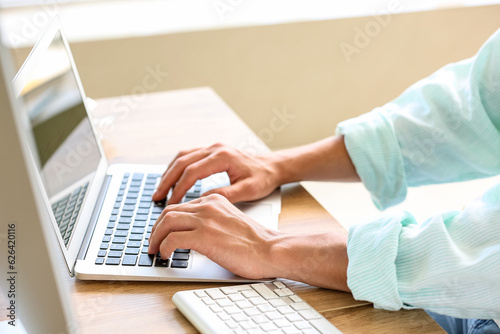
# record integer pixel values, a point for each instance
(310, 63)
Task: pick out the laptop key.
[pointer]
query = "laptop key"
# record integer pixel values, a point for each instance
(106, 238)
(132, 251)
(117, 247)
(130, 201)
(180, 256)
(161, 263)
(137, 230)
(145, 205)
(101, 253)
(109, 231)
(113, 218)
(112, 261)
(127, 214)
(123, 227)
(104, 245)
(116, 254)
(111, 225)
(144, 250)
(143, 212)
(146, 260)
(128, 208)
(121, 233)
(135, 237)
(134, 244)
(125, 220)
(182, 250)
(141, 217)
(179, 264)
(99, 260)
(119, 240)
(139, 224)
(129, 260)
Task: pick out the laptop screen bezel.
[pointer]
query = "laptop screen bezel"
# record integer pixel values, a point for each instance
(21, 79)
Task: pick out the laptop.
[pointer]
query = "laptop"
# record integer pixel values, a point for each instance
(102, 214)
(29, 255)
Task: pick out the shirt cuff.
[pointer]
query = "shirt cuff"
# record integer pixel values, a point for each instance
(372, 250)
(374, 150)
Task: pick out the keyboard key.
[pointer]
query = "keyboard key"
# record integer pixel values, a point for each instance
(115, 254)
(128, 207)
(125, 220)
(180, 256)
(113, 218)
(138, 230)
(115, 212)
(104, 245)
(101, 253)
(127, 214)
(143, 212)
(264, 291)
(161, 263)
(134, 244)
(140, 224)
(130, 202)
(181, 250)
(121, 233)
(179, 264)
(119, 240)
(138, 176)
(99, 260)
(106, 238)
(132, 251)
(215, 294)
(135, 237)
(141, 217)
(146, 260)
(111, 225)
(112, 261)
(144, 250)
(117, 247)
(145, 205)
(123, 227)
(129, 260)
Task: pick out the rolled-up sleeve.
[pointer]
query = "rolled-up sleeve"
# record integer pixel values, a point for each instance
(445, 128)
(449, 264)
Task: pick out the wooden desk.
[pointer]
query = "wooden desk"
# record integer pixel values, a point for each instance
(153, 131)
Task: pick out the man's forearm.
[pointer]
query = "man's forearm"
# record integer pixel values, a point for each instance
(325, 160)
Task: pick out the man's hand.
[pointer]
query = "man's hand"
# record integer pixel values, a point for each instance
(252, 177)
(214, 227)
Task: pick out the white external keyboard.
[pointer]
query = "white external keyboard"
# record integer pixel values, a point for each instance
(253, 308)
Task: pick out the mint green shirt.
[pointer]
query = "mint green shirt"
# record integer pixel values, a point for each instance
(444, 128)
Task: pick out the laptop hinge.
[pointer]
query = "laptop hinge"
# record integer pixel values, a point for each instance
(94, 218)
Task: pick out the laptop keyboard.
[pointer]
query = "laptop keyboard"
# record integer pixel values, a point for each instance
(66, 211)
(126, 239)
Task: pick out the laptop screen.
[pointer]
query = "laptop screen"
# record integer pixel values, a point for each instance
(66, 150)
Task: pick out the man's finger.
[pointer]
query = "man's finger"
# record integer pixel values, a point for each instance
(172, 221)
(196, 171)
(175, 170)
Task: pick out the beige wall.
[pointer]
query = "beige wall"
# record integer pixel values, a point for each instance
(298, 68)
